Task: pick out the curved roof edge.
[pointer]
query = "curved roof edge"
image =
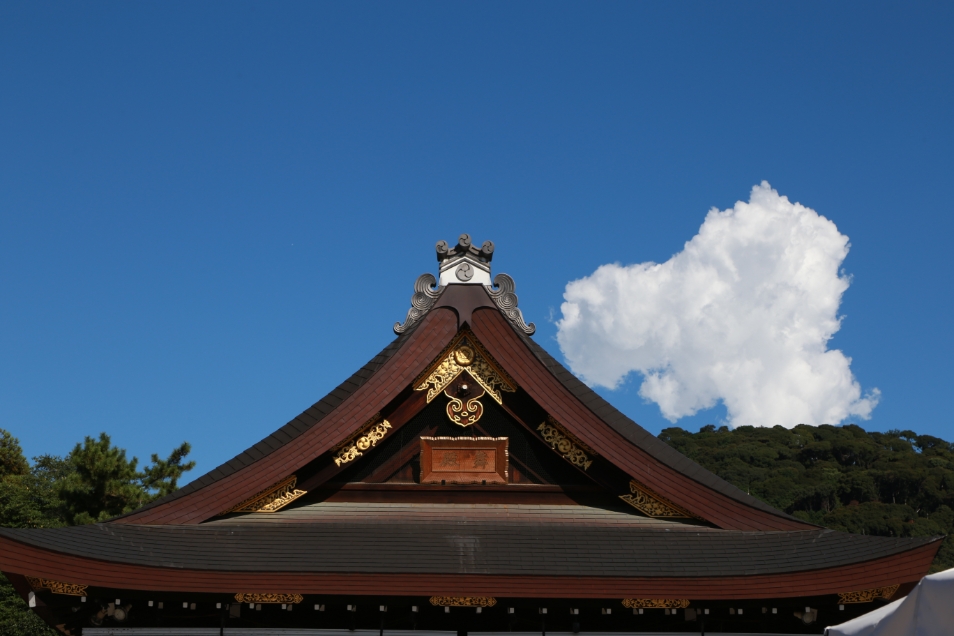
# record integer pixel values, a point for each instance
(289, 432)
(642, 438)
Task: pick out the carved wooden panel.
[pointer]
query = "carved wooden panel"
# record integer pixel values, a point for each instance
(464, 460)
(866, 596)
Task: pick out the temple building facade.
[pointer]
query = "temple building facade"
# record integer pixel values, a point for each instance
(461, 481)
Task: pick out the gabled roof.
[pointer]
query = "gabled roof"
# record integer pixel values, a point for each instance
(438, 314)
(314, 432)
(290, 431)
(648, 459)
(573, 534)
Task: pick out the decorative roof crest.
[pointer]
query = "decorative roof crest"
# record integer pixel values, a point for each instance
(464, 264)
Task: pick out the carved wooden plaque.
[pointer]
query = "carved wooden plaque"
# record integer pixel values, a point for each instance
(464, 460)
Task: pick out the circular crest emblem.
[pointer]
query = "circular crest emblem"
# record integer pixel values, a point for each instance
(464, 355)
(465, 272)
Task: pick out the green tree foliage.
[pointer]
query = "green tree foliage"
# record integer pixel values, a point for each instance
(104, 484)
(93, 483)
(12, 461)
(162, 477)
(16, 619)
(897, 484)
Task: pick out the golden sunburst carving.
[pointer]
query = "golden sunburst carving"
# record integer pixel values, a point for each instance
(465, 353)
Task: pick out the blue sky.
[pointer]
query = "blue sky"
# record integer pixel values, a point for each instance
(212, 213)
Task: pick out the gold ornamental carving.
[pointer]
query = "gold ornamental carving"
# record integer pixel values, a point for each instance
(651, 504)
(563, 442)
(272, 499)
(369, 436)
(57, 587)
(463, 601)
(651, 603)
(866, 596)
(464, 414)
(464, 353)
(269, 598)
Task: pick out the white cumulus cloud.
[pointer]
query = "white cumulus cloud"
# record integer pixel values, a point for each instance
(743, 314)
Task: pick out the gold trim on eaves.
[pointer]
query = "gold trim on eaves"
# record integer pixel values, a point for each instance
(463, 601)
(649, 603)
(866, 596)
(651, 504)
(272, 499)
(268, 598)
(57, 587)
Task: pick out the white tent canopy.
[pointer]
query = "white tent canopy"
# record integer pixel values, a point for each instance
(927, 611)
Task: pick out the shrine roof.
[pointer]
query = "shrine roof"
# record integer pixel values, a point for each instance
(640, 436)
(476, 547)
(464, 302)
(290, 431)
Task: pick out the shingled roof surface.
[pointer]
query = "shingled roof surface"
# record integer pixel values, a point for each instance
(498, 547)
(640, 436)
(287, 433)
(349, 511)
(589, 398)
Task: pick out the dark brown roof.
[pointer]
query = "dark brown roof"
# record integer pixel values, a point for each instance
(464, 546)
(640, 436)
(287, 433)
(675, 476)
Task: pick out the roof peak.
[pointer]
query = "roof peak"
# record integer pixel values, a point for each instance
(467, 269)
(464, 264)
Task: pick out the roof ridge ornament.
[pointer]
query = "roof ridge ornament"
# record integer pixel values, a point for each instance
(506, 301)
(426, 291)
(464, 265)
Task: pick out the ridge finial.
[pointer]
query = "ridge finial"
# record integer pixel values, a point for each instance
(464, 264)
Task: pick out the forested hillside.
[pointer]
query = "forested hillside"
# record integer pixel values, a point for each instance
(897, 483)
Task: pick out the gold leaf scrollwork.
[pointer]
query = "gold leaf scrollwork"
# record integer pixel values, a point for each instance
(57, 587)
(463, 601)
(866, 596)
(649, 603)
(566, 444)
(370, 435)
(272, 499)
(269, 598)
(651, 504)
(464, 414)
(465, 354)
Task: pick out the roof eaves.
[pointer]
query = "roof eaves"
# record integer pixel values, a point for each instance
(641, 437)
(290, 431)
